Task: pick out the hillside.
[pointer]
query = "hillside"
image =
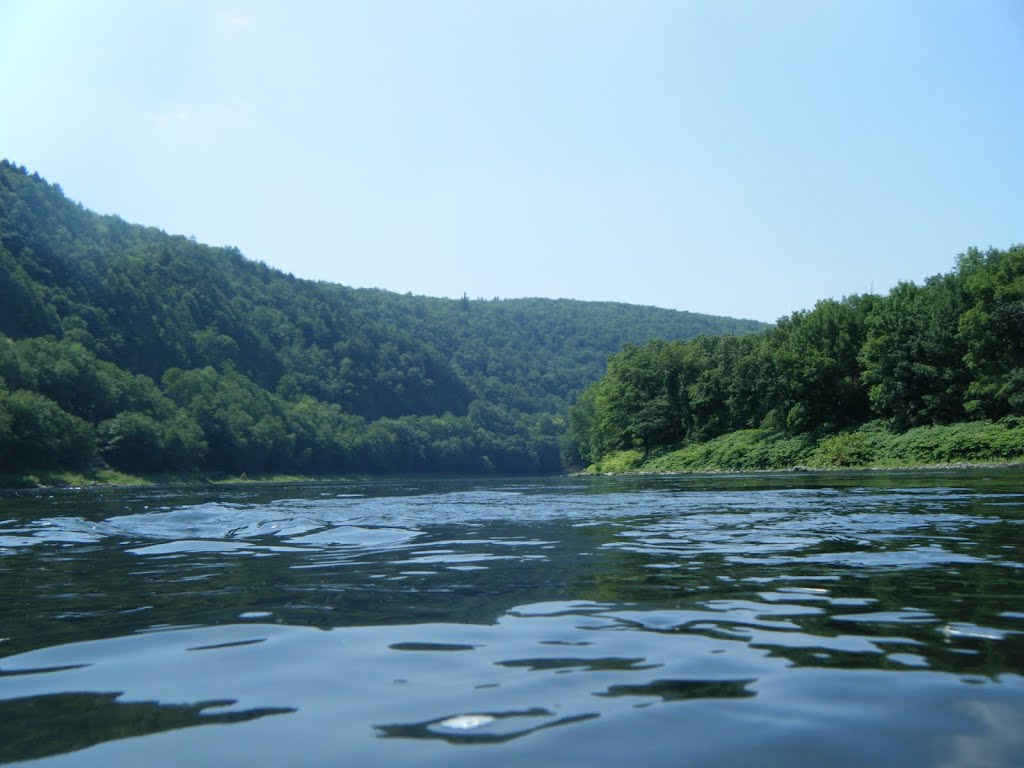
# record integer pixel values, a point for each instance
(928, 373)
(154, 352)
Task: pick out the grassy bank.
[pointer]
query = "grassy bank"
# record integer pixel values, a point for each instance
(110, 477)
(872, 445)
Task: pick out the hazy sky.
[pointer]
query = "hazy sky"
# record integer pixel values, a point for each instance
(742, 158)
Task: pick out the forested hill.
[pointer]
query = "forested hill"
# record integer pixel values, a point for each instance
(123, 344)
(851, 382)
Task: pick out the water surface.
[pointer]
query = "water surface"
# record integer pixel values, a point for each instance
(789, 620)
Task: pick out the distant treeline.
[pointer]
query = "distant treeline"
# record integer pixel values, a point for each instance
(948, 351)
(149, 352)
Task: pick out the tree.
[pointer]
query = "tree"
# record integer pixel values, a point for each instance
(991, 331)
(133, 442)
(815, 360)
(44, 436)
(913, 356)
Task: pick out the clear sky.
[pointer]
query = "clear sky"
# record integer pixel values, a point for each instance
(738, 158)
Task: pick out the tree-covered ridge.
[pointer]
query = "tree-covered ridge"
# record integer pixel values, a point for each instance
(156, 352)
(948, 351)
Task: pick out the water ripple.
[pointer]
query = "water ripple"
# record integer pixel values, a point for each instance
(674, 620)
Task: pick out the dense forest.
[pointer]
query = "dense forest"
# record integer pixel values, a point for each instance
(123, 346)
(926, 373)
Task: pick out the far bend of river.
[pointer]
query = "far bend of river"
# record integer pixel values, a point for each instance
(771, 620)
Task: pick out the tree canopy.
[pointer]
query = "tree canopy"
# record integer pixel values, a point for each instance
(932, 354)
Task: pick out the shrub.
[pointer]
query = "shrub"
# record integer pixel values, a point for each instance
(849, 449)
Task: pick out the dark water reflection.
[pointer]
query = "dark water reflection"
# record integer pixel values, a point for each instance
(764, 620)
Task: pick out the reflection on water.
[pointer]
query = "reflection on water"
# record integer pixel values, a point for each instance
(38, 726)
(480, 729)
(774, 620)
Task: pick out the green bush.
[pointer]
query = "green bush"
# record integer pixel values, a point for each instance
(849, 449)
(871, 445)
(619, 461)
(967, 441)
(745, 449)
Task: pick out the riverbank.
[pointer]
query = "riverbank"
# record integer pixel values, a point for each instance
(114, 479)
(965, 445)
(872, 447)
(798, 469)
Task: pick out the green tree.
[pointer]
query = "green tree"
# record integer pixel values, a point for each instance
(913, 356)
(815, 364)
(132, 441)
(184, 444)
(44, 436)
(580, 445)
(992, 331)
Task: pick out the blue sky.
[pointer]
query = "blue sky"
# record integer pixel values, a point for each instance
(738, 158)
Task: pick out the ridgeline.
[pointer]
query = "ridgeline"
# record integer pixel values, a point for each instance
(124, 347)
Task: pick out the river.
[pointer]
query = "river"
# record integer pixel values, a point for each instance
(761, 620)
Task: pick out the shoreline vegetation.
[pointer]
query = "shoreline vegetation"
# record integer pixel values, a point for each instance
(112, 478)
(109, 478)
(927, 375)
(963, 466)
(872, 447)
